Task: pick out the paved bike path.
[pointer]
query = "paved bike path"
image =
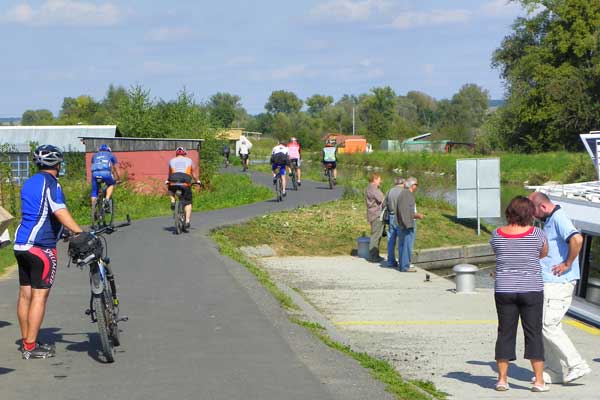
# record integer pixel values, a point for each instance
(200, 326)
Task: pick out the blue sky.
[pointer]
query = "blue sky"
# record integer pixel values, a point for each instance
(57, 48)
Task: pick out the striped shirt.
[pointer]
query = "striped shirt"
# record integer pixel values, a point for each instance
(518, 267)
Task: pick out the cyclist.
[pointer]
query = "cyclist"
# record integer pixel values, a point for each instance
(104, 166)
(44, 214)
(295, 151)
(330, 158)
(181, 174)
(280, 158)
(244, 151)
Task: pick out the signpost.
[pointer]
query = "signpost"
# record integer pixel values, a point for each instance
(478, 189)
(591, 141)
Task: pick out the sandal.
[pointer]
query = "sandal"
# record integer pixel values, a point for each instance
(536, 388)
(502, 387)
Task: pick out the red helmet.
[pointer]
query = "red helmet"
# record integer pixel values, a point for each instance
(180, 151)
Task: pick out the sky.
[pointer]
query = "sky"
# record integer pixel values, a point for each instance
(58, 48)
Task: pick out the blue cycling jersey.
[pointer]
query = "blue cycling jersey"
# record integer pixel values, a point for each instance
(41, 197)
(103, 161)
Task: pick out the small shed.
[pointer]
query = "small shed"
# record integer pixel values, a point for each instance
(390, 145)
(144, 161)
(348, 143)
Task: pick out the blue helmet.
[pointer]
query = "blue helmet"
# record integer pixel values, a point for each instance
(104, 147)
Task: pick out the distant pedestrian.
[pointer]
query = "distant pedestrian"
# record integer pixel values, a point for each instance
(560, 271)
(405, 216)
(391, 201)
(519, 290)
(374, 199)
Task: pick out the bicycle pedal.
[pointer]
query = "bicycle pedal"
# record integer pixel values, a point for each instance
(123, 319)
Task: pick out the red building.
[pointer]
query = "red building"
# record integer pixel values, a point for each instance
(142, 161)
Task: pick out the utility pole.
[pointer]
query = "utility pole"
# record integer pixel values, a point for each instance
(353, 122)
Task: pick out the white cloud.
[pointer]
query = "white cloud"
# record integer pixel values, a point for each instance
(64, 12)
(348, 10)
(415, 19)
(167, 34)
(501, 8)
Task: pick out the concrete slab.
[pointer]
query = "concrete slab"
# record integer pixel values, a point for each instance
(423, 328)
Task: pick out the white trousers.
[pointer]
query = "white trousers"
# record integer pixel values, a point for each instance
(559, 351)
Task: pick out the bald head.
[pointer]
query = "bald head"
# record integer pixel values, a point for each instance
(543, 205)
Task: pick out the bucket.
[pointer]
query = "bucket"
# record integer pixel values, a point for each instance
(363, 246)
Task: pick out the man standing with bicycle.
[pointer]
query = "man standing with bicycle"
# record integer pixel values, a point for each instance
(104, 167)
(44, 214)
(279, 161)
(181, 173)
(295, 150)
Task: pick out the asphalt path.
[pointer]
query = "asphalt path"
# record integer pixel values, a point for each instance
(200, 326)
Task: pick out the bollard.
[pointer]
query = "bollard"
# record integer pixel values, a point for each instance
(465, 278)
(363, 246)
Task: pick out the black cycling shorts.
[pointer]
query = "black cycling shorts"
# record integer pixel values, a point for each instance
(186, 193)
(37, 267)
(327, 164)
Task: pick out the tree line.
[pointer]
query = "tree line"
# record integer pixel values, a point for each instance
(378, 115)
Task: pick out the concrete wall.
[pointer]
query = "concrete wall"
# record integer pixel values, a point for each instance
(445, 257)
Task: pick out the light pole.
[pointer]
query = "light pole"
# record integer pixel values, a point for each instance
(353, 121)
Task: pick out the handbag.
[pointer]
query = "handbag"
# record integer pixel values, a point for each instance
(385, 216)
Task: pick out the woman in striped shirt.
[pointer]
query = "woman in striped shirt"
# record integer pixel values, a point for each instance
(519, 289)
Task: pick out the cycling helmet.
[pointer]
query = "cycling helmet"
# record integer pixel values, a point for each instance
(104, 147)
(47, 156)
(180, 151)
(330, 142)
(293, 139)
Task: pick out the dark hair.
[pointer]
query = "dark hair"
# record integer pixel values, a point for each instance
(520, 211)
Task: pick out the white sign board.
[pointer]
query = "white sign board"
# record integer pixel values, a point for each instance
(591, 141)
(478, 188)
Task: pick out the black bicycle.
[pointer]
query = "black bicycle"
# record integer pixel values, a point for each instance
(91, 248)
(294, 174)
(278, 186)
(103, 211)
(244, 158)
(329, 174)
(179, 210)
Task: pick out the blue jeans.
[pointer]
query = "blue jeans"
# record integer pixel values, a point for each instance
(391, 244)
(406, 240)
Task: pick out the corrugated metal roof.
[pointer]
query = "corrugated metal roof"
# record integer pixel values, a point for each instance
(65, 137)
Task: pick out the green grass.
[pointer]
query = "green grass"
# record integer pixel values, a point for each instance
(229, 191)
(515, 168)
(332, 229)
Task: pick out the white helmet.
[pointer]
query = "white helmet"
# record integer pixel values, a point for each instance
(47, 155)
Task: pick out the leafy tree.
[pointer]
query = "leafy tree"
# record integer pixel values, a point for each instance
(282, 101)
(317, 103)
(377, 111)
(223, 108)
(78, 110)
(550, 63)
(37, 117)
(137, 116)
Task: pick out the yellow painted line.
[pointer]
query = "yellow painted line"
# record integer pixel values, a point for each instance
(440, 322)
(584, 327)
(579, 325)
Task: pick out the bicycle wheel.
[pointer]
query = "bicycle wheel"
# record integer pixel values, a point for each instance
(103, 328)
(95, 215)
(330, 178)
(278, 190)
(294, 180)
(177, 217)
(110, 210)
(113, 327)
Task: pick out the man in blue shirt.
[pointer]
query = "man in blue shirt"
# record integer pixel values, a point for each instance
(104, 166)
(560, 270)
(44, 214)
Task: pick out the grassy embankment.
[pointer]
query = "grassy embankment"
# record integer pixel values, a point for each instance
(229, 191)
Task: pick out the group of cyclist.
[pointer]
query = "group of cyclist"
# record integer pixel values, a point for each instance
(45, 214)
(286, 156)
